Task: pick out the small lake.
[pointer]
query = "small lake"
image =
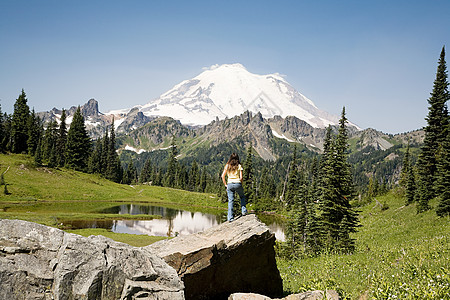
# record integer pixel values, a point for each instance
(173, 222)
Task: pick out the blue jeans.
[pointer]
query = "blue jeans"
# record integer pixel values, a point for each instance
(231, 188)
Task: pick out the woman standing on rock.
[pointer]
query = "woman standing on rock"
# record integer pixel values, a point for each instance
(233, 170)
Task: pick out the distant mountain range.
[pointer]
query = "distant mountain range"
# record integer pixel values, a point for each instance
(221, 104)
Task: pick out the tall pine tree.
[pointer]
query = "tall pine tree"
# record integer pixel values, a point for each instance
(33, 132)
(437, 121)
(5, 140)
(410, 181)
(337, 218)
(95, 159)
(292, 185)
(172, 165)
(146, 172)
(78, 144)
(113, 167)
(194, 177)
(61, 141)
(49, 143)
(19, 124)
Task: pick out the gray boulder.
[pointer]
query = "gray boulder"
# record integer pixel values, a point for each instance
(236, 256)
(311, 295)
(40, 262)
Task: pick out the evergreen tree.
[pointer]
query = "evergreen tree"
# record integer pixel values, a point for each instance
(61, 141)
(194, 177)
(130, 174)
(337, 218)
(5, 140)
(49, 142)
(443, 180)
(146, 172)
(52, 160)
(325, 191)
(114, 168)
(104, 154)
(248, 177)
(78, 143)
(172, 165)
(267, 187)
(410, 182)
(371, 188)
(203, 181)
(38, 152)
(95, 159)
(182, 177)
(19, 122)
(33, 132)
(293, 181)
(405, 168)
(437, 121)
(157, 177)
(410, 186)
(302, 231)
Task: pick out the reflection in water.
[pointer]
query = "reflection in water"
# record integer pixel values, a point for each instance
(278, 230)
(173, 222)
(183, 223)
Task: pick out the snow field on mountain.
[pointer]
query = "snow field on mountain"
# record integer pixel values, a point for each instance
(229, 90)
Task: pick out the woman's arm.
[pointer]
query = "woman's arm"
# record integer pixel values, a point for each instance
(240, 176)
(224, 173)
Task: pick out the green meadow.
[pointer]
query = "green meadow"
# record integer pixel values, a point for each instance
(55, 196)
(400, 254)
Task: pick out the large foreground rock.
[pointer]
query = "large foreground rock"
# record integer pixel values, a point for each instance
(233, 257)
(40, 262)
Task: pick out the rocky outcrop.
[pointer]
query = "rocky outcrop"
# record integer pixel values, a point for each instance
(90, 109)
(40, 262)
(247, 127)
(133, 120)
(157, 131)
(312, 295)
(233, 257)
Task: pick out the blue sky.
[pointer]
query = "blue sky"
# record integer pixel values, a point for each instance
(376, 58)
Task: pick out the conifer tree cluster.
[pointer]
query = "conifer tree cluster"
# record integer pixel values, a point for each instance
(173, 173)
(104, 160)
(23, 132)
(322, 218)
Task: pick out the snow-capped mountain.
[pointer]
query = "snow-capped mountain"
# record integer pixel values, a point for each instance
(228, 90)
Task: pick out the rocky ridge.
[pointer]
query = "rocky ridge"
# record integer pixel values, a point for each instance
(143, 132)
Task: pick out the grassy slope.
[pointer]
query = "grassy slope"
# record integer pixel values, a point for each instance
(50, 196)
(400, 254)
(28, 183)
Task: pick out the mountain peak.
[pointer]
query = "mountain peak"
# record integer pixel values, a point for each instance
(227, 90)
(217, 66)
